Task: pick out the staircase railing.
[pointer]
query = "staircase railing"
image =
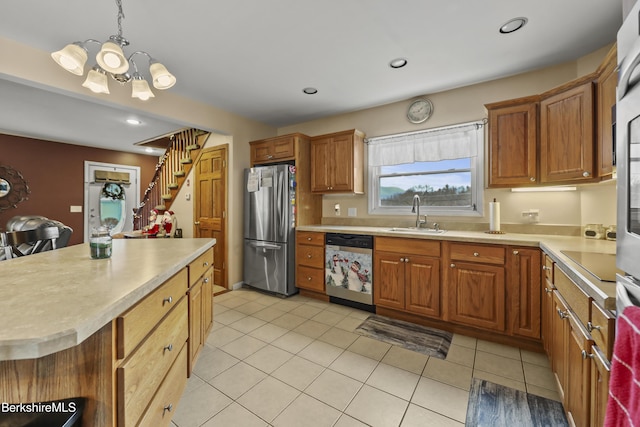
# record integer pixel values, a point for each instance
(171, 171)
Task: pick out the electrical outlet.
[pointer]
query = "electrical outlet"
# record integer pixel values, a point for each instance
(336, 209)
(75, 209)
(352, 212)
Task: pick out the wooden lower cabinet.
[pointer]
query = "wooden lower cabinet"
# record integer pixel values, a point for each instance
(476, 295)
(547, 306)
(200, 296)
(310, 261)
(523, 291)
(560, 337)
(405, 278)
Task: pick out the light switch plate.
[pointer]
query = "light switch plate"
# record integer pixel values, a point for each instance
(75, 209)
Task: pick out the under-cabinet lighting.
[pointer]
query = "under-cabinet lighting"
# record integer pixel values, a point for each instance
(542, 189)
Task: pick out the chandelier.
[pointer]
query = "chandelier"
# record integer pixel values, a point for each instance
(111, 61)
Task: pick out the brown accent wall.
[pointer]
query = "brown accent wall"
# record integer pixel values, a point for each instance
(55, 175)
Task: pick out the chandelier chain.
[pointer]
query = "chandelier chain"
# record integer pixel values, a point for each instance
(120, 17)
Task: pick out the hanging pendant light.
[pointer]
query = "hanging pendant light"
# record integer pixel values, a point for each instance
(112, 61)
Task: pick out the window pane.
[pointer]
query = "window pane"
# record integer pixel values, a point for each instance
(444, 189)
(442, 165)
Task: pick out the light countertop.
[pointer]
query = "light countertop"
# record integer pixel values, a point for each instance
(603, 293)
(54, 300)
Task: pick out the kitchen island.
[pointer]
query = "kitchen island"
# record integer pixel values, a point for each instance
(74, 326)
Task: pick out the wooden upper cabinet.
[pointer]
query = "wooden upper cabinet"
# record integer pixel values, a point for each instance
(273, 150)
(567, 133)
(606, 100)
(337, 163)
(513, 140)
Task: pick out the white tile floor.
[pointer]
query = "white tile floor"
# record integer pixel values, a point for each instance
(297, 362)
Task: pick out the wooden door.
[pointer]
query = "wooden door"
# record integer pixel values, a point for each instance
(211, 206)
(423, 285)
(477, 295)
(523, 289)
(389, 280)
(513, 142)
(600, 374)
(547, 306)
(207, 304)
(195, 324)
(606, 98)
(566, 135)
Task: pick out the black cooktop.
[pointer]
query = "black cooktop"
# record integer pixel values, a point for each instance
(601, 265)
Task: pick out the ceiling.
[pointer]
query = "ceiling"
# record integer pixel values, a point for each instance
(254, 57)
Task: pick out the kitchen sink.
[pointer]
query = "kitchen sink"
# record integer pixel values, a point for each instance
(417, 230)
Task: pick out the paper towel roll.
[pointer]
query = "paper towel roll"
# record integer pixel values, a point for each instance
(494, 216)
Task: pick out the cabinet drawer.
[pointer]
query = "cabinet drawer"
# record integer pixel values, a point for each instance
(408, 246)
(137, 322)
(602, 329)
(477, 253)
(140, 376)
(199, 266)
(310, 238)
(575, 297)
(164, 403)
(310, 278)
(311, 256)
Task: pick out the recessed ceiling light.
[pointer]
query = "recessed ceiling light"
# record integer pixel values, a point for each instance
(513, 25)
(134, 121)
(398, 63)
(310, 90)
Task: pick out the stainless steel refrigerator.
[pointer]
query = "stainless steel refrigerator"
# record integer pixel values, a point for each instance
(269, 220)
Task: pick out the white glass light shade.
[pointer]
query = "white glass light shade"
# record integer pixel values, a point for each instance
(162, 78)
(72, 58)
(112, 59)
(96, 81)
(140, 89)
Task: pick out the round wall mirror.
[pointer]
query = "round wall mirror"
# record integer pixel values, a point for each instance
(13, 188)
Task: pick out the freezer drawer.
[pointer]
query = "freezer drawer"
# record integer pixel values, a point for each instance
(269, 266)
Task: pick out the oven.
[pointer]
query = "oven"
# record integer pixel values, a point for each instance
(349, 270)
(628, 161)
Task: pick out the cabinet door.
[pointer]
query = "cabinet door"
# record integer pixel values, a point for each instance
(389, 280)
(195, 324)
(523, 288)
(513, 140)
(560, 334)
(600, 373)
(261, 152)
(422, 284)
(579, 373)
(321, 165)
(606, 98)
(207, 304)
(566, 135)
(342, 163)
(547, 318)
(477, 295)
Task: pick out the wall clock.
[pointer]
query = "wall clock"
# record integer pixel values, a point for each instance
(419, 111)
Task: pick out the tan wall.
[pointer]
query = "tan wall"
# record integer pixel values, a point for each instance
(464, 105)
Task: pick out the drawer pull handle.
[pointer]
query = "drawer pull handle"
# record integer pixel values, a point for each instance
(309, 256)
(167, 300)
(167, 408)
(547, 290)
(563, 314)
(452, 265)
(591, 327)
(476, 254)
(309, 239)
(309, 278)
(516, 252)
(205, 264)
(586, 355)
(205, 280)
(167, 348)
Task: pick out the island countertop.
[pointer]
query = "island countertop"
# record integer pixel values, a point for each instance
(56, 299)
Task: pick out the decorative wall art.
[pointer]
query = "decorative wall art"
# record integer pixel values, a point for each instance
(13, 188)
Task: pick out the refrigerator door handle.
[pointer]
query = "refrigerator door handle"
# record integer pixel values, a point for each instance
(263, 245)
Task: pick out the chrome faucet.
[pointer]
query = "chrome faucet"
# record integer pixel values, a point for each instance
(416, 202)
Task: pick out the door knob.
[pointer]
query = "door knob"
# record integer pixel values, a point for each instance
(197, 223)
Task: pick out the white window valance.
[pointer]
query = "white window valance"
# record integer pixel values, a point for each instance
(444, 143)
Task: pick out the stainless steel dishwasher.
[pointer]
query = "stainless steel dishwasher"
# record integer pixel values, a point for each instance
(349, 270)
